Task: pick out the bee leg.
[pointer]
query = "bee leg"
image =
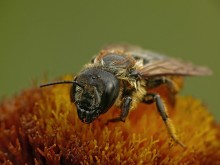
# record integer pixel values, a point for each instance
(161, 108)
(171, 86)
(124, 110)
(153, 83)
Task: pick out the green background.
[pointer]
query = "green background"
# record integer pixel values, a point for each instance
(58, 37)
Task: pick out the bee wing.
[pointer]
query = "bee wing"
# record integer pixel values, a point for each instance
(172, 67)
(155, 64)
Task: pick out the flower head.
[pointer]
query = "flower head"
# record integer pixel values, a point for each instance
(41, 126)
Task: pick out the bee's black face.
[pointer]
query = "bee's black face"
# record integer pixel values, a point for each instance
(97, 92)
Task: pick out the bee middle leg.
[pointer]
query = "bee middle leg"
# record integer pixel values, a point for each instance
(161, 108)
(126, 105)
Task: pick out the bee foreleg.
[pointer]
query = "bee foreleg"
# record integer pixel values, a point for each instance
(161, 108)
(126, 104)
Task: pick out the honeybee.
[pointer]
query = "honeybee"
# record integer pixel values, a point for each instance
(122, 75)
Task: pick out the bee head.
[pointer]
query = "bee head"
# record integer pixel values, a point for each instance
(94, 92)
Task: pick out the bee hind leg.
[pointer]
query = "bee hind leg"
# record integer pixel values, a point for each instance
(161, 108)
(155, 82)
(124, 110)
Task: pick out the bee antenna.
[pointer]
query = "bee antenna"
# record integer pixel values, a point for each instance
(62, 82)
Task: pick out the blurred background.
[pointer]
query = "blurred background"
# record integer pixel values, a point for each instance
(58, 37)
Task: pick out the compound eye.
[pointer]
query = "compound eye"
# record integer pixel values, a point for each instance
(111, 90)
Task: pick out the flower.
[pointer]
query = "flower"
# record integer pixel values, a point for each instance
(41, 126)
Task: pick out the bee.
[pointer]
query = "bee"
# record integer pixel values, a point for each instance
(122, 75)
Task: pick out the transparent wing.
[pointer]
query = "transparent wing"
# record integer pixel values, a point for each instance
(155, 64)
(172, 67)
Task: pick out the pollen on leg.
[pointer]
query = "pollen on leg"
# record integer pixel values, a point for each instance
(172, 131)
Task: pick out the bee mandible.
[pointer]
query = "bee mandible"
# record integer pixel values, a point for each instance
(122, 75)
